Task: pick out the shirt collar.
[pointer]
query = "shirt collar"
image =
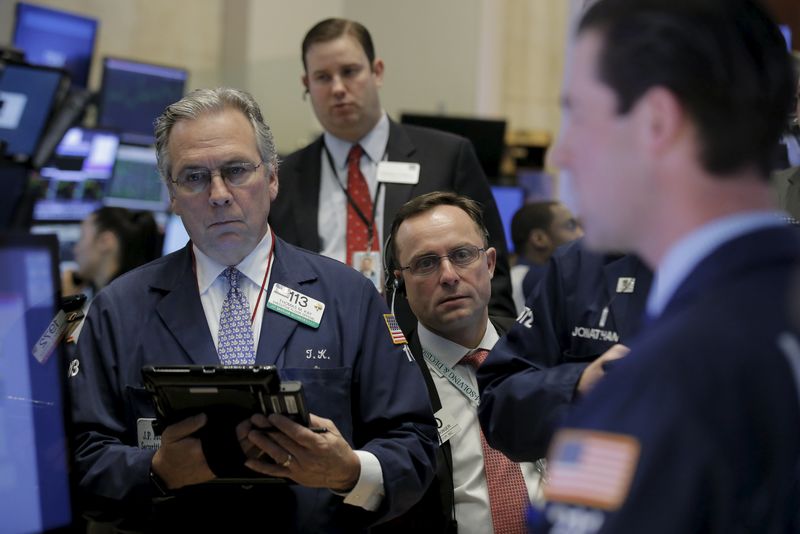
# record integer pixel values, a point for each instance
(374, 143)
(690, 250)
(449, 352)
(253, 266)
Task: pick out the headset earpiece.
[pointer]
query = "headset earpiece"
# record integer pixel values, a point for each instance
(392, 282)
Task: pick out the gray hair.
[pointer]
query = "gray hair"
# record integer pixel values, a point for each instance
(202, 101)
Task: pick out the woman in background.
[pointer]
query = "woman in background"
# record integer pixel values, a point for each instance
(113, 241)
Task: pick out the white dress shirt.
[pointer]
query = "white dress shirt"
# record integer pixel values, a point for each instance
(332, 216)
(471, 492)
(213, 285)
(368, 492)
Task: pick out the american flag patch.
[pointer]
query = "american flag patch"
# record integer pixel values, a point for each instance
(394, 329)
(591, 468)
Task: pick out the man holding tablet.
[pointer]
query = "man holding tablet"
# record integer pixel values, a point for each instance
(238, 295)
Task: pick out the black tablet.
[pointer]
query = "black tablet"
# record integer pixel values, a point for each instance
(230, 393)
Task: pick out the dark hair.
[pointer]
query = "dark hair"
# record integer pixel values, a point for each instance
(530, 217)
(724, 60)
(136, 232)
(333, 28)
(427, 202)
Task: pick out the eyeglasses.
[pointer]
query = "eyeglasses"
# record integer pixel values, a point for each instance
(196, 180)
(428, 264)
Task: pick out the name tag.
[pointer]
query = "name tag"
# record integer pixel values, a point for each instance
(398, 172)
(50, 338)
(295, 305)
(625, 284)
(446, 425)
(146, 435)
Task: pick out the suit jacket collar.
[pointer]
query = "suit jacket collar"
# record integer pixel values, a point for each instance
(182, 311)
(305, 188)
(291, 269)
(399, 148)
(751, 251)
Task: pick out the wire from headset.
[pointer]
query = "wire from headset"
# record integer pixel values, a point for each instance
(391, 282)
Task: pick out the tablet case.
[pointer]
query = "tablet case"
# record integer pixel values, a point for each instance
(227, 395)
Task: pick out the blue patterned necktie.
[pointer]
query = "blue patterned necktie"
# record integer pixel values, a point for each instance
(235, 334)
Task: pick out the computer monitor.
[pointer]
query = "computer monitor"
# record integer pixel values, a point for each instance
(28, 95)
(133, 94)
(35, 490)
(56, 39)
(787, 35)
(509, 199)
(135, 183)
(487, 136)
(72, 184)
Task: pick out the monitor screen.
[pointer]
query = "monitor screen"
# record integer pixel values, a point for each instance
(72, 184)
(135, 183)
(56, 39)
(34, 452)
(509, 199)
(787, 35)
(27, 97)
(134, 94)
(487, 136)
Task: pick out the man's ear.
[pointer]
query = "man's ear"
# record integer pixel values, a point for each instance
(377, 71)
(491, 260)
(539, 238)
(273, 186)
(107, 241)
(173, 206)
(661, 119)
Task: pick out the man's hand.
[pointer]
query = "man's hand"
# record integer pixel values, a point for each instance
(180, 461)
(249, 448)
(312, 459)
(592, 374)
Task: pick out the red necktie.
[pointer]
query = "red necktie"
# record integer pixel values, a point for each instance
(357, 230)
(508, 496)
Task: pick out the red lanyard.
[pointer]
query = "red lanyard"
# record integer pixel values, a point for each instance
(263, 282)
(266, 273)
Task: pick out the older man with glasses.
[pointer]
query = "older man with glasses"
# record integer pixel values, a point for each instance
(220, 300)
(442, 262)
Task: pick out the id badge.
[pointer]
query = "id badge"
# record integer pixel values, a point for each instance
(147, 437)
(398, 172)
(446, 425)
(369, 263)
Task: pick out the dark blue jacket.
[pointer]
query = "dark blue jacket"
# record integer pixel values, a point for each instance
(367, 386)
(710, 394)
(531, 375)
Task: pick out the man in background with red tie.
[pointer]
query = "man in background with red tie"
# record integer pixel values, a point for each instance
(441, 259)
(340, 193)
